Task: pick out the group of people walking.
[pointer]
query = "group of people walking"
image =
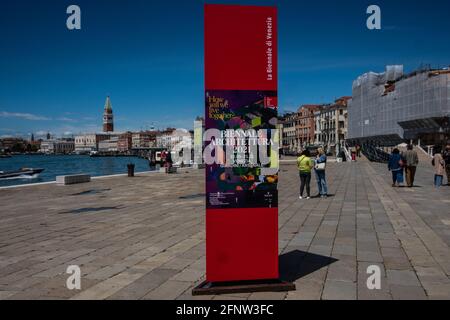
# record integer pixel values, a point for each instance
(400, 163)
(407, 162)
(306, 164)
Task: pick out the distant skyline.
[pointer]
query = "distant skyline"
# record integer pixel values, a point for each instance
(148, 57)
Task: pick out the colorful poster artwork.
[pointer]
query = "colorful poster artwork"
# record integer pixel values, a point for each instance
(245, 140)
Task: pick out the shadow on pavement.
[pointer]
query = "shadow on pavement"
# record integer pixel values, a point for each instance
(90, 191)
(193, 196)
(87, 210)
(297, 264)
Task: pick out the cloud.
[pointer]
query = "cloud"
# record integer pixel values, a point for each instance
(24, 116)
(68, 129)
(66, 119)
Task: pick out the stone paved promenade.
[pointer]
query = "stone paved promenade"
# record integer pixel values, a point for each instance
(143, 237)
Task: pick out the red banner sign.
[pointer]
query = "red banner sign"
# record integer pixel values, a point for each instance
(240, 121)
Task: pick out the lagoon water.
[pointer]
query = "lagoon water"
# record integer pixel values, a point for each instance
(56, 165)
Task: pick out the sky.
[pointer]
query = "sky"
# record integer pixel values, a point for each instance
(148, 56)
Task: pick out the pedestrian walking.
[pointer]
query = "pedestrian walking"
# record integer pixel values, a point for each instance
(319, 168)
(169, 161)
(439, 168)
(411, 161)
(305, 165)
(395, 165)
(353, 152)
(358, 150)
(446, 156)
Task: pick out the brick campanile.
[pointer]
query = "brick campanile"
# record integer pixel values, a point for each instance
(108, 124)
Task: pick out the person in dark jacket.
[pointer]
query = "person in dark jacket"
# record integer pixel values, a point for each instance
(168, 159)
(446, 156)
(358, 151)
(395, 165)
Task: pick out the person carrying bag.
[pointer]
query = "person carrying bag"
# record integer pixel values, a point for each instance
(319, 168)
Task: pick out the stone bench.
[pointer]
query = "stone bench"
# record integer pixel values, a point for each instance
(73, 179)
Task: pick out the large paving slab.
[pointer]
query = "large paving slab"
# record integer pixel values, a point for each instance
(143, 237)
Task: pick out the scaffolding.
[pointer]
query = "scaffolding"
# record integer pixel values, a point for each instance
(383, 100)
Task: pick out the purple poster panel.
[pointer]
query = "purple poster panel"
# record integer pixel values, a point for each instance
(245, 123)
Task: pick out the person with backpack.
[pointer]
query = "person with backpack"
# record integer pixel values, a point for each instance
(305, 165)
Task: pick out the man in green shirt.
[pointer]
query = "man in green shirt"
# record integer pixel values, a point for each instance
(305, 165)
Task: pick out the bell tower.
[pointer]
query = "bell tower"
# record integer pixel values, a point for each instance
(108, 124)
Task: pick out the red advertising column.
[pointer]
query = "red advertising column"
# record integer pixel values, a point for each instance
(241, 99)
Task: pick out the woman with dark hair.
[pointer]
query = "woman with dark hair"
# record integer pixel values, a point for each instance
(396, 165)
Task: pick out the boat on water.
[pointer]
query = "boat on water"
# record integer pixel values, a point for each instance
(21, 173)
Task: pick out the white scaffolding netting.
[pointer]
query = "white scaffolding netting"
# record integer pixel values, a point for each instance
(381, 101)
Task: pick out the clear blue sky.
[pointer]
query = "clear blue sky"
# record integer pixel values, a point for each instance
(148, 55)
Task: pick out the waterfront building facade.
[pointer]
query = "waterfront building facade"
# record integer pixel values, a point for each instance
(392, 107)
(125, 142)
(11, 144)
(279, 137)
(47, 146)
(331, 123)
(178, 136)
(64, 146)
(289, 133)
(315, 124)
(108, 120)
(58, 146)
(181, 145)
(305, 126)
(35, 144)
(164, 139)
(144, 139)
(109, 145)
(86, 143)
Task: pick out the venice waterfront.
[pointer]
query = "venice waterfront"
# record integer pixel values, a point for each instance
(56, 165)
